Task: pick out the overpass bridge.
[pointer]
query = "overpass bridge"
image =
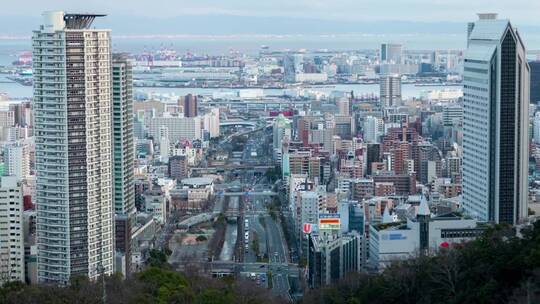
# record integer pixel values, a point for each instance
(251, 193)
(221, 169)
(234, 123)
(256, 104)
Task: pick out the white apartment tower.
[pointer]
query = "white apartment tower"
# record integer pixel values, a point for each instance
(495, 124)
(122, 88)
(17, 160)
(72, 107)
(11, 230)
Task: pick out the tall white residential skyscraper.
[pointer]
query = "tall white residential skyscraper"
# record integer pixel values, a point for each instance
(122, 116)
(11, 230)
(123, 155)
(72, 107)
(496, 123)
(390, 90)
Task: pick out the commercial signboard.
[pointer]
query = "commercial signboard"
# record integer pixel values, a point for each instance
(307, 228)
(329, 221)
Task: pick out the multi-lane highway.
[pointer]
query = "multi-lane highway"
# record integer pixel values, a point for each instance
(273, 252)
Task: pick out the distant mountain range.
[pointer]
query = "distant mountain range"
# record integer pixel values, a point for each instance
(245, 32)
(227, 24)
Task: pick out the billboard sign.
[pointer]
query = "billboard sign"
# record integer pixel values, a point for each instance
(329, 221)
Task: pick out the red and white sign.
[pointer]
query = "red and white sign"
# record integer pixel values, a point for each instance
(307, 228)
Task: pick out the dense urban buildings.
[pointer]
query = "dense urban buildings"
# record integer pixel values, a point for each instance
(72, 110)
(495, 128)
(300, 170)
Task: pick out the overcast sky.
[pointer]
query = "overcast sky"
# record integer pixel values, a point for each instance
(525, 12)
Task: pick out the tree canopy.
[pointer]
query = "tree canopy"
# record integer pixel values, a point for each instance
(496, 268)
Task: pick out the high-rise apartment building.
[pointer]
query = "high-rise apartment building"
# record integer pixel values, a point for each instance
(495, 124)
(177, 167)
(122, 115)
(179, 128)
(17, 160)
(7, 118)
(11, 230)
(123, 155)
(72, 113)
(390, 90)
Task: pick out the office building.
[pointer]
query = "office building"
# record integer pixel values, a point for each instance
(309, 207)
(496, 122)
(391, 53)
(535, 81)
(11, 230)
(452, 115)
(390, 90)
(332, 257)
(536, 128)
(292, 64)
(190, 105)
(343, 105)
(72, 114)
(373, 129)
(344, 126)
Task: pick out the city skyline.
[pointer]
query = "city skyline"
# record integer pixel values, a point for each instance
(136, 172)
